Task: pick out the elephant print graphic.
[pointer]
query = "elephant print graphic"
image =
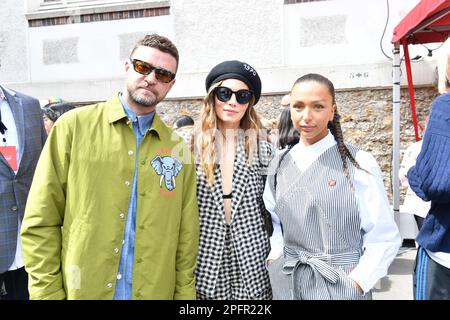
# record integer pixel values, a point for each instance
(168, 168)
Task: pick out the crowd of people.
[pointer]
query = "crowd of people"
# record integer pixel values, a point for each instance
(110, 189)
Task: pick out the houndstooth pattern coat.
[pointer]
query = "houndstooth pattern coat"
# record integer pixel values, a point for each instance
(249, 238)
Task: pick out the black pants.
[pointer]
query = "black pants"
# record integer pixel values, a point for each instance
(15, 283)
(431, 281)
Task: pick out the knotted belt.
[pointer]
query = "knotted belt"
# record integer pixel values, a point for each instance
(321, 264)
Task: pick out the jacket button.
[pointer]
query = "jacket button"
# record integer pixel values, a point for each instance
(109, 285)
(14, 208)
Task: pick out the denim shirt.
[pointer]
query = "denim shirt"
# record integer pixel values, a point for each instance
(123, 291)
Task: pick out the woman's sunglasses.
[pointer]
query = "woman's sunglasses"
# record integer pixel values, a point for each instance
(224, 94)
(145, 69)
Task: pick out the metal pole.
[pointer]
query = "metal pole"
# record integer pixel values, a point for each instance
(396, 132)
(411, 89)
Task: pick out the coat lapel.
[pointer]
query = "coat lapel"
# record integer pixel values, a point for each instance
(3, 160)
(240, 174)
(217, 191)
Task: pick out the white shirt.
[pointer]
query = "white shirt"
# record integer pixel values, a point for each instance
(381, 239)
(412, 203)
(10, 135)
(12, 139)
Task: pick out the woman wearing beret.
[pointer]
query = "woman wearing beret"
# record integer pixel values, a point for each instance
(230, 163)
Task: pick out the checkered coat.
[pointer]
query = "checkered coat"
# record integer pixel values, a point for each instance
(14, 187)
(249, 237)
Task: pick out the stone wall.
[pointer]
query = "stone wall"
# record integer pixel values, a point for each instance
(366, 119)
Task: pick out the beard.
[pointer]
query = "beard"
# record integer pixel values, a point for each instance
(143, 100)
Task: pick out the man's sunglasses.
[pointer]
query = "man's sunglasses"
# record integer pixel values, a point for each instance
(145, 69)
(224, 94)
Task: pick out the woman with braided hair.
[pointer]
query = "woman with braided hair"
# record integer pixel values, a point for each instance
(334, 232)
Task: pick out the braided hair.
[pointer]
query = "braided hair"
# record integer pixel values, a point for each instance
(346, 155)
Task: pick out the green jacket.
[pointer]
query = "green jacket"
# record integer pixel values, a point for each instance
(76, 211)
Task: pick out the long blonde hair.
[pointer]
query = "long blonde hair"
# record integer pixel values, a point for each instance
(205, 142)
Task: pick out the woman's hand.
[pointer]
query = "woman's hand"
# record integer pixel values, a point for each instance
(357, 286)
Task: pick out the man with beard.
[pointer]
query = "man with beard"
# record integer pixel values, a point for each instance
(112, 211)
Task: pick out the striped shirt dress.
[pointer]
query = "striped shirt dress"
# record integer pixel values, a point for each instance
(321, 230)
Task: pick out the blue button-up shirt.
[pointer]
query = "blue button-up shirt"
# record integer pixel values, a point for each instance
(123, 291)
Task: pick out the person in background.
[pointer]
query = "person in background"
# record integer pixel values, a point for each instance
(267, 131)
(230, 166)
(339, 235)
(183, 121)
(285, 101)
(112, 212)
(183, 126)
(53, 110)
(429, 178)
(22, 136)
(412, 203)
(287, 134)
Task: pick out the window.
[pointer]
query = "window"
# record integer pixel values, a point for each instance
(299, 1)
(57, 12)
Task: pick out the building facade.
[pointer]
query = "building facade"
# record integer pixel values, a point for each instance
(74, 49)
(84, 42)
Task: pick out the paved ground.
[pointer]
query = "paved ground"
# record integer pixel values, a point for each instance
(397, 285)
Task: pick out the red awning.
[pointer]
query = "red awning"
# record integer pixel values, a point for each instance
(429, 21)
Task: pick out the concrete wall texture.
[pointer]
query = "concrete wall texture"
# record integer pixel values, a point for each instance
(14, 53)
(208, 32)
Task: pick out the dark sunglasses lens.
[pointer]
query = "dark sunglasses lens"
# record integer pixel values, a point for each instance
(243, 96)
(141, 67)
(145, 69)
(223, 94)
(163, 75)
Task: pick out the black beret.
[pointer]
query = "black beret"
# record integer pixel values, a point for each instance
(235, 70)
